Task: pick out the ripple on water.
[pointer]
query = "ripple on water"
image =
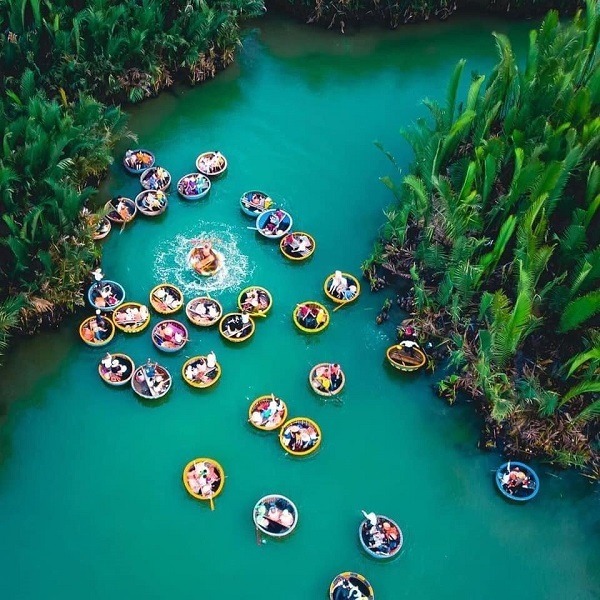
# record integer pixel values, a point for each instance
(171, 264)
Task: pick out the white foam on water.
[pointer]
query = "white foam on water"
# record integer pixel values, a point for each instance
(171, 263)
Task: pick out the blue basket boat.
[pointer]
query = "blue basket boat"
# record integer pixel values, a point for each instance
(274, 223)
(106, 295)
(255, 202)
(137, 161)
(193, 186)
(517, 481)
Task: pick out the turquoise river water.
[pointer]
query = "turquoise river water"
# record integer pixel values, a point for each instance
(91, 498)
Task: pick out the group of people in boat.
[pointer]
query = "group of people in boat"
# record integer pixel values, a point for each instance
(204, 479)
(380, 535)
(154, 200)
(96, 329)
(255, 301)
(202, 370)
(237, 325)
(346, 590)
(275, 515)
(192, 185)
(300, 437)
(211, 163)
(104, 295)
(170, 335)
(203, 258)
(311, 316)
(257, 201)
(138, 160)
(341, 288)
(124, 210)
(165, 297)
(156, 179)
(150, 375)
(268, 413)
(515, 480)
(297, 244)
(328, 378)
(132, 315)
(206, 310)
(113, 369)
(273, 223)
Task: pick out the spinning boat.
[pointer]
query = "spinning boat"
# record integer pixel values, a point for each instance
(349, 585)
(103, 227)
(131, 317)
(106, 295)
(255, 300)
(254, 202)
(151, 202)
(193, 186)
(204, 478)
(120, 210)
(300, 436)
(201, 371)
(327, 379)
(274, 223)
(97, 330)
(517, 481)
(297, 245)
(151, 381)
(155, 178)
(267, 412)
(310, 317)
(406, 356)
(211, 163)
(275, 515)
(203, 311)
(169, 335)
(166, 299)
(236, 327)
(205, 260)
(380, 536)
(341, 288)
(116, 369)
(137, 161)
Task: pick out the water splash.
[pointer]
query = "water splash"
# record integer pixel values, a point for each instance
(171, 264)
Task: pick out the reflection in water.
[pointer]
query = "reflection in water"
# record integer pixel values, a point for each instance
(172, 264)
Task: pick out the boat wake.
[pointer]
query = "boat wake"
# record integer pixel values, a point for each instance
(171, 264)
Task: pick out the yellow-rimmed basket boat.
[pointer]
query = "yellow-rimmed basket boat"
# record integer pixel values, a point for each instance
(116, 369)
(151, 381)
(207, 266)
(310, 316)
(300, 436)
(121, 210)
(97, 330)
(166, 298)
(267, 412)
(297, 245)
(255, 300)
(347, 581)
(151, 202)
(204, 311)
(234, 328)
(103, 227)
(131, 317)
(341, 288)
(404, 357)
(198, 374)
(211, 163)
(327, 379)
(204, 479)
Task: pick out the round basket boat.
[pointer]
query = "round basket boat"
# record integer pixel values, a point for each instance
(327, 379)
(235, 328)
(205, 260)
(204, 478)
(255, 300)
(380, 536)
(341, 288)
(151, 203)
(297, 245)
(155, 178)
(274, 223)
(166, 298)
(131, 317)
(151, 381)
(193, 186)
(137, 161)
(310, 317)
(405, 356)
(255, 202)
(211, 163)
(267, 412)
(97, 330)
(116, 369)
(106, 295)
(204, 311)
(347, 583)
(121, 210)
(169, 335)
(517, 481)
(103, 227)
(275, 515)
(300, 436)
(197, 372)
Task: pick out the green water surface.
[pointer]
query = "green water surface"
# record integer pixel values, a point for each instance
(91, 499)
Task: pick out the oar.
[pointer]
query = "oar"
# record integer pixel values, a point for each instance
(254, 228)
(342, 304)
(212, 504)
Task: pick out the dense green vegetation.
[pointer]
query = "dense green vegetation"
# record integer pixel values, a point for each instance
(497, 233)
(59, 61)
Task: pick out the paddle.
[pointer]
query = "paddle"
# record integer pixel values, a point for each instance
(342, 304)
(253, 228)
(212, 504)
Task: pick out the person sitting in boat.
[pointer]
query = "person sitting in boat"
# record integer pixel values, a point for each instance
(211, 361)
(272, 225)
(338, 282)
(99, 326)
(213, 311)
(152, 181)
(409, 346)
(150, 369)
(349, 293)
(303, 246)
(122, 209)
(335, 374)
(206, 259)
(217, 161)
(291, 242)
(154, 201)
(516, 479)
(320, 318)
